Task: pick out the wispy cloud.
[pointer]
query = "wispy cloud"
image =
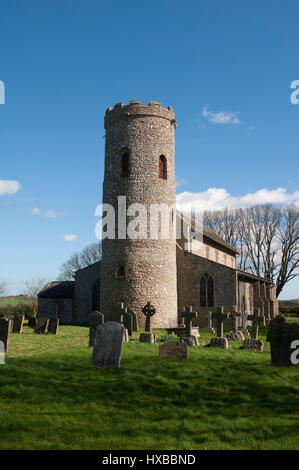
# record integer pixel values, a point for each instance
(9, 187)
(50, 213)
(179, 182)
(71, 237)
(220, 198)
(221, 117)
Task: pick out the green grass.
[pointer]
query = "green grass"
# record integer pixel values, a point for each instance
(51, 397)
(14, 301)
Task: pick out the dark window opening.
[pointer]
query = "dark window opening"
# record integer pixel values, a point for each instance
(206, 288)
(162, 167)
(125, 160)
(120, 272)
(95, 302)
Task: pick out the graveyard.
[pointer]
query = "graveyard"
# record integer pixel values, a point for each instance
(52, 397)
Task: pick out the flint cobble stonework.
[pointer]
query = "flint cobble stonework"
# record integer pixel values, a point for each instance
(145, 132)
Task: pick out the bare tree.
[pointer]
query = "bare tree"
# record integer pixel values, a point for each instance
(266, 236)
(33, 286)
(90, 255)
(3, 288)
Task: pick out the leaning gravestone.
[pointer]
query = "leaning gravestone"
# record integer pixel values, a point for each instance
(53, 326)
(108, 345)
(32, 322)
(95, 319)
(18, 323)
(5, 329)
(41, 326)
(173, 350)
(284, 340)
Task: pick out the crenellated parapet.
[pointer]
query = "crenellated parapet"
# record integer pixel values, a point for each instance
(136, 109)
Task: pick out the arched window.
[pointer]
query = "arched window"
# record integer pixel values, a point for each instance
(162, 167)
(125, 165)
(206, 288)
(95, 296)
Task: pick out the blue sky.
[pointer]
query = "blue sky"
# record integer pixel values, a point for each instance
(225, 67)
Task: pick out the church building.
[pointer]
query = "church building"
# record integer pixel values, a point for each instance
(169, 272)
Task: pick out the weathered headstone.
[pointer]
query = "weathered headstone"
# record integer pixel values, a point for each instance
(95, 319)
(173, 350)
(126, 319)
(18, 323)
(219, 341)
(244, 324)
(41, 326)
(5, 329)
(253, 343)
(210, 328)
(235, 334)
(108, 345)
(53, 325)
(148, 336)
(32, 322)
(284, 342)
(135, 319)
(191, 335)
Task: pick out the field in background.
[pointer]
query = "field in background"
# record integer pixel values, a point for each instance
(15, 301)
(51, 397)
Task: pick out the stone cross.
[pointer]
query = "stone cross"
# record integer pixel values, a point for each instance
(257, 320)
(188, 315)
(244, 320)
(220, 316)
(148, 310)
(234, 315)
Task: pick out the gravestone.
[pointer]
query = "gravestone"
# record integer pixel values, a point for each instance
(128, 322)
(134, 319)
(95, 319)
(244, 324)
(18, 323)
(108, 345)
(219, 341)
(173, 350)
(41, 326)
(235, 334)
(210, 328)
(5, 329)
(253, 343)
(284, 341)
(53, 326)
(191, 336)
(32, 322)
(148, 336)
(123, 312)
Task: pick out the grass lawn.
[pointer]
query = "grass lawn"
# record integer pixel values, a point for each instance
(51, 397)
(14, 301)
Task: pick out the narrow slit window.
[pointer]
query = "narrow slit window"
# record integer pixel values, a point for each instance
(162, 167)
(125, 163)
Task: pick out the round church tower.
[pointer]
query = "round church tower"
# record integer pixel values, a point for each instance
(139, 264)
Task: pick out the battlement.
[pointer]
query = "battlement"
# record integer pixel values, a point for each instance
(135, 108)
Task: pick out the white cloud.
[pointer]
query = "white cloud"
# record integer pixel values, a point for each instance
(51, 213)
(9, 187)
(219, 198)
(222, 117)
(70, 237)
